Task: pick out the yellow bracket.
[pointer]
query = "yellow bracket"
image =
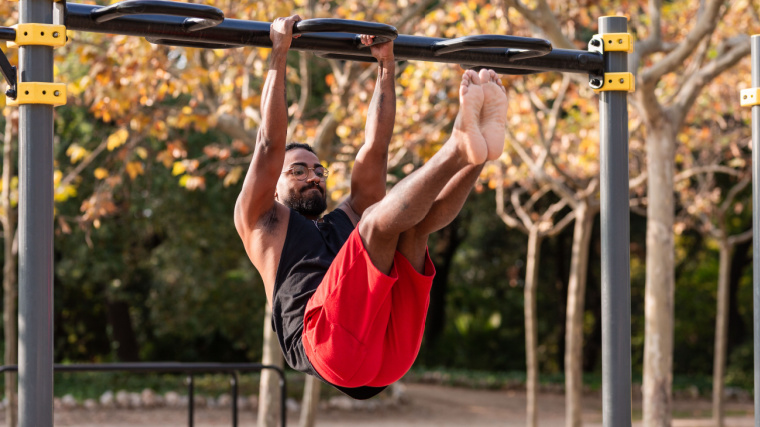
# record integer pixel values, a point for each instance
(750, 97)
(39, 93)
(618, 82)
(39, 35)
(618, 42)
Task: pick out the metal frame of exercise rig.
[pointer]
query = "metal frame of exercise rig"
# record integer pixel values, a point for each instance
(751, 98)
(43, 25)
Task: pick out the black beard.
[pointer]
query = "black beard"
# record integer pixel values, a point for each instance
(312, 205)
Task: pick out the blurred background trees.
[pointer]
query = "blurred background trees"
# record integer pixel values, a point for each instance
(153, 142)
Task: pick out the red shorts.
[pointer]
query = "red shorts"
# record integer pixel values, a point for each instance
(363, 327)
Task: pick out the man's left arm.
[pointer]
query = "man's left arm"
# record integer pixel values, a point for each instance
(370, 168)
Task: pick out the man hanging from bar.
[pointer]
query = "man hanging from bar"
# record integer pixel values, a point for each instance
(350, 290)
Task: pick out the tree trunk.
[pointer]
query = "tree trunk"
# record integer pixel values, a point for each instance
(10, 286)
(269, 388)
(721, 330)
(310, 401)
(584, 222)
(531, 330)
(123, 332)
(660, 278)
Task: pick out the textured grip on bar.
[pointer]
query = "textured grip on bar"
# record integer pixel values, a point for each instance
(199, 16)
(383, 32)
(529, 47)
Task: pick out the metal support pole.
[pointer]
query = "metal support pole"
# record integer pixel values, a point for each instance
(234, 386)
(756, 221)
(615, 230)
(190, 400)
(35, 231)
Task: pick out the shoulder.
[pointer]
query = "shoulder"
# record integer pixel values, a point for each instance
(345, 207)
(265, 240)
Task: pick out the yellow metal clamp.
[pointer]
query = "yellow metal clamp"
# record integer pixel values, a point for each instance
(39, 35)
(39, 93)
(618, 42)
(615, 82)
(611, 42)
(750, 97)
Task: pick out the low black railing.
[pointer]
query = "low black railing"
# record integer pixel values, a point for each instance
(183, 368)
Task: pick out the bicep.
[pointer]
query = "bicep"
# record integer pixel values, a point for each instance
(368, 179)
(260, 183)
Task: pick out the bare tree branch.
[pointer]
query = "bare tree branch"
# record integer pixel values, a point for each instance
(730, 52)
(83, 164)
(508, 219)
(705, 26)
(688, 173)
(740, 238)
(521, 214)
(567, 219)
(733, 192)
(543, 17)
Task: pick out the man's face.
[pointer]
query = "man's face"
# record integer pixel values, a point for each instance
(307, 197)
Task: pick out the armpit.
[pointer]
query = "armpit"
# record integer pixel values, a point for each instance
(269, 220)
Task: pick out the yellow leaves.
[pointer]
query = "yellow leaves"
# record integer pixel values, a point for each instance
(134, 169)
(178, 168)
(96, 206)
(192, 182)
(76, 153)
(233, 176)
(117, 139)
(62, 193)
(141, 152)
(100, 173)
(343, 131)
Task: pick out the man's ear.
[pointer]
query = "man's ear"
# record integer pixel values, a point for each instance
(276, 198)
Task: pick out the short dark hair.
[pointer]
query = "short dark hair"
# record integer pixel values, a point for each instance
(294, 145)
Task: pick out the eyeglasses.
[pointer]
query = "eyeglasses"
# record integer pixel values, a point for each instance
(301, 172)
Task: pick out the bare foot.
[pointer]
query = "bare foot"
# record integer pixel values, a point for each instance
(493, 116)
(467, 127)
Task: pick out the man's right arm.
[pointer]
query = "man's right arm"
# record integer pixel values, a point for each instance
(256, 199)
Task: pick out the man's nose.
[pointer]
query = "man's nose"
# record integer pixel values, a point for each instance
(312, 176)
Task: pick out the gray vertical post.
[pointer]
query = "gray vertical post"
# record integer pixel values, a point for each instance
(756, 221)
(35, 231)
(615, 230)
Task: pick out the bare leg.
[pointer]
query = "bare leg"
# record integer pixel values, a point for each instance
(413, 243)
(410, 201)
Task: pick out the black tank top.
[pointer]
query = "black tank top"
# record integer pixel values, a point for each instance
(310, 247)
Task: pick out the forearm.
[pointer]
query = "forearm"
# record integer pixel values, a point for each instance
(381, 115)
(269, 151)
(274, 115)
(370, 169)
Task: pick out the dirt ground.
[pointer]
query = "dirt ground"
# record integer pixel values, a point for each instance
(426, 405)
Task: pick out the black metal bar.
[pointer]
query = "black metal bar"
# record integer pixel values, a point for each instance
(530, 47)
(190, 400)
(383, 32)
(201, 45)
(9, 73)
(234, 386)
(7, 34)
(500, 70)
(198, 16)
(179, 368)
(241, 33)
(283, 400)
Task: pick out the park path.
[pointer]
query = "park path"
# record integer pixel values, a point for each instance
(426, 405)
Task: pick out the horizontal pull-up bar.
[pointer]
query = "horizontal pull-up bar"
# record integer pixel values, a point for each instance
(514, 55)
